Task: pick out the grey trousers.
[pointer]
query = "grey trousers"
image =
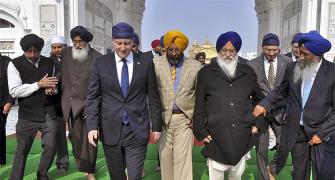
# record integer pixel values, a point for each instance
(262, 151)
(25, 135)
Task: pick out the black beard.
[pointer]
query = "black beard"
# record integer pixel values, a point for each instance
(158, 52)
(174, 60)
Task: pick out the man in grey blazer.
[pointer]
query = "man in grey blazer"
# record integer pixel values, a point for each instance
(270, 68)
(294, 54)
(309, 86)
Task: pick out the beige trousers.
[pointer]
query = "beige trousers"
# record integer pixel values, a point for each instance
(175, 149)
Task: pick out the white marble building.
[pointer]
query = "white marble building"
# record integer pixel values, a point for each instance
(287, 17)
(56, 17)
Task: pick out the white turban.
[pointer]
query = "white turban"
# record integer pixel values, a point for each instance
(58, 40)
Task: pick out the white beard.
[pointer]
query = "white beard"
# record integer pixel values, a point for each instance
(80, 54)
(303, 70)
(228, 65)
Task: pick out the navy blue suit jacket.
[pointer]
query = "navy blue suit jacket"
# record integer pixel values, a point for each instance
(105, 103)
(319, 110)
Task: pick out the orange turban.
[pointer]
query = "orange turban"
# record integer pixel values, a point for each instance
(176, 37)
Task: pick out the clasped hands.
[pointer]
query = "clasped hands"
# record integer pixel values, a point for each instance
(49, 84)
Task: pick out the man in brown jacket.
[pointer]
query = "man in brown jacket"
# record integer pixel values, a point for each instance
(75, 68)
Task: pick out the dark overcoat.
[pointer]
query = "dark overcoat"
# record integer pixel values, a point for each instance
(223, 109)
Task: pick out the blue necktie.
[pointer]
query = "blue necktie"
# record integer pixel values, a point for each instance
(124, 87)
(306, 91)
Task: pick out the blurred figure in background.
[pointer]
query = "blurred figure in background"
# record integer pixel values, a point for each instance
(6, 102)
(156, 49)
(62, 160)
(201, 57)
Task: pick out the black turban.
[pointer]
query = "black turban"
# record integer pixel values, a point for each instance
(82, 32)
(31, 40)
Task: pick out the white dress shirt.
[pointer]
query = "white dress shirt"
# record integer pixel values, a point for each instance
(294, 58)
(119, 64)
(267, 65)
(154, 53)
(15, 86)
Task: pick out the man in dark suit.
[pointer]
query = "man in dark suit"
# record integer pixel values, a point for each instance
(270, 68)
(309, 85)
(294, 54)
(116, 105)
(225, 96)
(6, 102)
(136, 44)
(156, 49)
(29, 76)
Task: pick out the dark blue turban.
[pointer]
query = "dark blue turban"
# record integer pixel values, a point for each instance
(122, 30)
(82, 32)
(231, 36)
(315, 43)
(136, 39)
(295, 38)
(270, 39)
(161, 42)
(31, 40)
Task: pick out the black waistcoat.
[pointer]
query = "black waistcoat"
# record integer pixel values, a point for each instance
(35, 106)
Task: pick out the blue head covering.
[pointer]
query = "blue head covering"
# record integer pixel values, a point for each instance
(231, 36)
(161, 42)
(136, 39)
(270, 39)
(295, 38)
(315, 43)
(122, 30)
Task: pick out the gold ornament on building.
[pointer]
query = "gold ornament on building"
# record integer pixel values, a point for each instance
(207, 47)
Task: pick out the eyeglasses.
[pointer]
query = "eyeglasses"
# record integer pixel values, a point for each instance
(176, 50)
